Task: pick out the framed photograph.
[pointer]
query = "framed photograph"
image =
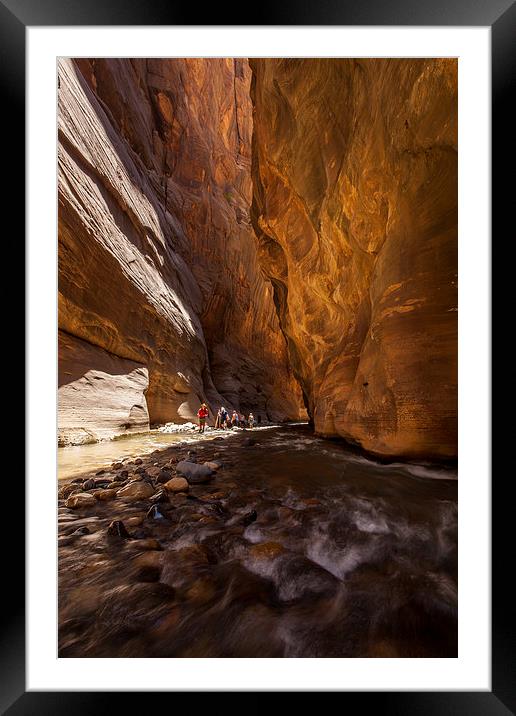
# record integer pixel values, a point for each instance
(259, 343)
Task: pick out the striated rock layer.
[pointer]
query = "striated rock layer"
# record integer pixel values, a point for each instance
(355, 207)
(161, 299)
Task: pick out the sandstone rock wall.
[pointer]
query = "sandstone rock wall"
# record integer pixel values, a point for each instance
(99, 393)
(157, 258)
(355, 208)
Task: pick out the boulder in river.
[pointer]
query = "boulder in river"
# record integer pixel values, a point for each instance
(176, 484)
(81, 499)
(194, 473)
(138, 490)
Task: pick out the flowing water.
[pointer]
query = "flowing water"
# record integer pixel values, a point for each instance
(298, 548)
(75, 460)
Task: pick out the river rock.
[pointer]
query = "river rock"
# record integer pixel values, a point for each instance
(155, 514)
(81, 499)
(164, 475)
(81, 531)
(194, 473)
(159, 497)
(244, 519)
(137, 490)
(176, 484)
(68, 490)
(105, 495)
(117, 529)
(212, 465)
(102, 482)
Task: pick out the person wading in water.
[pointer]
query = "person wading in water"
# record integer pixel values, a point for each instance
(202, 414)
(250, 420)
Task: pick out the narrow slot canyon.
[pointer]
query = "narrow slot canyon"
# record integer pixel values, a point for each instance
(278, 237)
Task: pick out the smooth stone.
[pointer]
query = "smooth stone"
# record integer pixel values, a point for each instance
(194, 473)
(81, 531)
(105, 495)
(176, 484)
(81, 499)
(139, 490)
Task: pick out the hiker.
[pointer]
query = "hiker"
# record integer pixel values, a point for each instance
(234, 419)
(202, 414)
(224, 417)
(250, 420)
(217, 420)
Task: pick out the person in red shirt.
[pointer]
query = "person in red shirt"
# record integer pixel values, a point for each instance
(202, 414)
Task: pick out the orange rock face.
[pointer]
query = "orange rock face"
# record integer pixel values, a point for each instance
(158, 269)
(355, 208)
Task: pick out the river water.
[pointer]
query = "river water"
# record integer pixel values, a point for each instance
(300, 547)
(75, 460)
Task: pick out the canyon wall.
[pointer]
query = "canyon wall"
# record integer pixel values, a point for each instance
(355, 209)
(161, 299)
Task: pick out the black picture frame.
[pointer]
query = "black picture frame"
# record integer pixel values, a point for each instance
(500, 15)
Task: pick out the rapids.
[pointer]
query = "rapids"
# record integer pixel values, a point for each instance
(299, 547)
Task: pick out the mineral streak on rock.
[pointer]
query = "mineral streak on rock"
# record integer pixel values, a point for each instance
(355, 208)
(161, 298)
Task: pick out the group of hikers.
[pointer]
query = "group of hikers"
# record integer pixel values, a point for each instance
(223, 421)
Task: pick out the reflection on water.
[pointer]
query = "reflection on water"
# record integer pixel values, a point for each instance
(77, 459)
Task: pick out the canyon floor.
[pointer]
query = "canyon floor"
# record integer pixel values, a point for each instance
(293, 546)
